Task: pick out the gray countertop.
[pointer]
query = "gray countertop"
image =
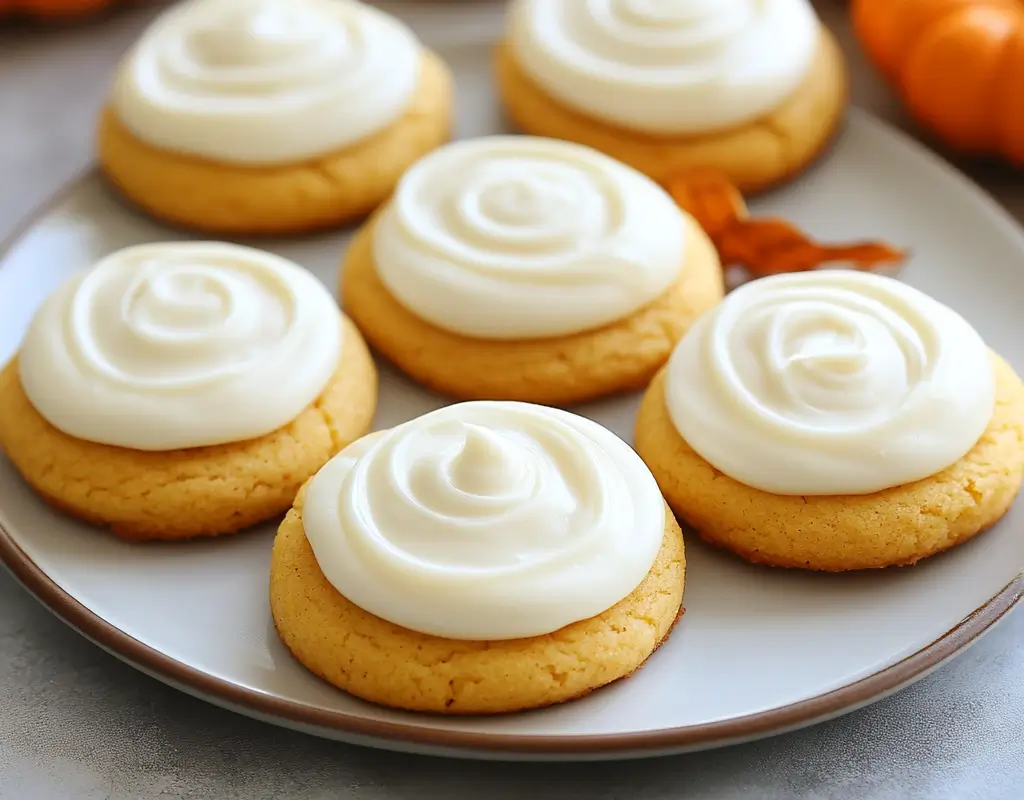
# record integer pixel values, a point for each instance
(77, 723)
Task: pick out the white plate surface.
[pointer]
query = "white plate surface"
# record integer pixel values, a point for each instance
(757, 651)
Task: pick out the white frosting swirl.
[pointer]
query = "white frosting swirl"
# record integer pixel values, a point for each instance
(514, 237)
(830, 383)
(486, 521)
(167, 346)
(666, 66)
(265, 82)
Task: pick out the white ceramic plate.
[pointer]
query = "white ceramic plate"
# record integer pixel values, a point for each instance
(758, 650)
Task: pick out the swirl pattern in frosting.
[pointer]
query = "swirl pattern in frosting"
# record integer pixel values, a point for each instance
(830, 383)
(486, 521)
(175, 345)
(521, 237)
(265, 82)
(666, 66)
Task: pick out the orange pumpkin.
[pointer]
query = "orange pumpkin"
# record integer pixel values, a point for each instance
(53, 9)
(958, 65)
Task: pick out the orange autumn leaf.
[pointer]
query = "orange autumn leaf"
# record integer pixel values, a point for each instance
(764, 246)
(710, 198)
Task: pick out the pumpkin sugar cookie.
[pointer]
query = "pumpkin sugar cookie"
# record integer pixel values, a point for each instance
(668, 87)
(183, 389)
(519, 268)
(259, 117)
(484, 558)
(834, 421)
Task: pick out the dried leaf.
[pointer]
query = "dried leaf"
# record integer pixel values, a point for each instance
(709, 197)
(764, 246)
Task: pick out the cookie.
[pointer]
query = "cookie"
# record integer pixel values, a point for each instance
(475, 310)
(655, 124)
(306, 150)
(179, 494)
(393, 665)
(200, 409)
(898, 509)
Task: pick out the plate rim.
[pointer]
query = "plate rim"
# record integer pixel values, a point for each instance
(704, 735)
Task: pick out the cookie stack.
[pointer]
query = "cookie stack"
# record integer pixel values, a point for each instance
(500, 553)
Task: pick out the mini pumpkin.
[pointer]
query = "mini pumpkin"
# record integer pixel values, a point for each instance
(958, 65)
(53, 9)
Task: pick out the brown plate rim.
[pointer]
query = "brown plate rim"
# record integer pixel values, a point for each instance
(706, 735)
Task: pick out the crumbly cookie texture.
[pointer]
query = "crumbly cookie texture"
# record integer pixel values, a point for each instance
(229, 199)
(619, 357)
(393, 666)
(202, 491)
(894, 527)
(756, 156)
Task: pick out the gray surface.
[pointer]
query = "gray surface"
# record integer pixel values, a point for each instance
(76, 723)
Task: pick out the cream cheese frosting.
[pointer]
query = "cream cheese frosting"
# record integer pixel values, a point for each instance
(666, 67)
(830, 383)
(521, 237)
(265, 82)
(486, 521)
(175, 345)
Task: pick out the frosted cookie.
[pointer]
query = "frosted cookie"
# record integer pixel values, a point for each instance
(755, 89)
(271, 116)
(519, 268)
(483, 558)
(834, 421)
(183, 389)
